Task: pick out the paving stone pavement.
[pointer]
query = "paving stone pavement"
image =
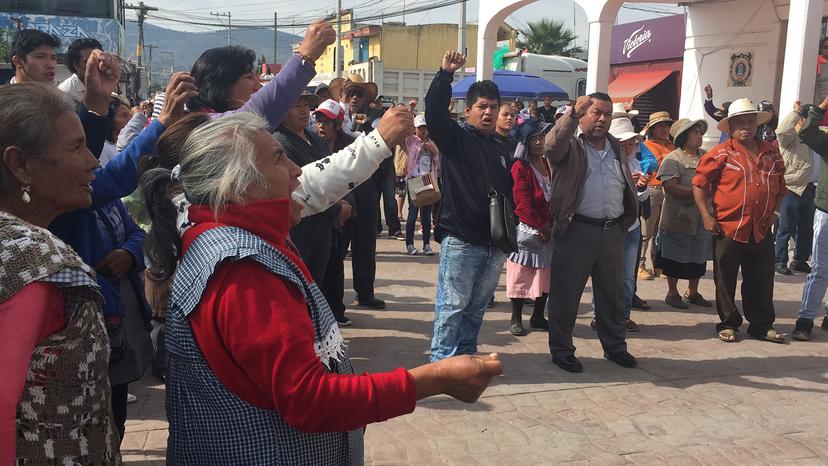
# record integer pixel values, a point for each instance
(693, 400)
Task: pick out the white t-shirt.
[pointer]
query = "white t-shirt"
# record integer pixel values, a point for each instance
(74, 88)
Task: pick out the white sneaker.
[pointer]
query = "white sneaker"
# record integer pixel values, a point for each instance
(412, 251)
(427, 250)
(131, 398)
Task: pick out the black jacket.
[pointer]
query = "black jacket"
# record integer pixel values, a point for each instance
(464, 210)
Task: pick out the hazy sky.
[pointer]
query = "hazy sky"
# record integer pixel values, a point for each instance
(245, 11)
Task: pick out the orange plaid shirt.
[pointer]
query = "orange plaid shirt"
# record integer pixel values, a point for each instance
(745, 189)
(660, 151)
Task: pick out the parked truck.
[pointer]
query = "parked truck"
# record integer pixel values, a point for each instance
(567, 73)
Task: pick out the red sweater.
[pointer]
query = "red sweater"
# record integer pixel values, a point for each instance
(530, 204)
(256, 335)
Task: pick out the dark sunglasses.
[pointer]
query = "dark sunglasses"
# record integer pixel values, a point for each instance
(355, 93)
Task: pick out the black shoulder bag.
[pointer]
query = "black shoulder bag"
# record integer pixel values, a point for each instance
(502, 221)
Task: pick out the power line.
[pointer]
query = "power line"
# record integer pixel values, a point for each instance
(268, 25)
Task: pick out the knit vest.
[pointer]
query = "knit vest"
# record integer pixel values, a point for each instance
(209, 424)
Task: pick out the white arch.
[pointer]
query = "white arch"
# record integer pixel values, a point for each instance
(491, 14)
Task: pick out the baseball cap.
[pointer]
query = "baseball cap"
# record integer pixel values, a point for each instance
(331, 109)
(419, 120)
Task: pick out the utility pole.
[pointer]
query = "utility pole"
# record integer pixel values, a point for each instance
(149, 69)
(338, 63)
(141, 11)
(172, 60)
(229, 25)
(461, 35)
(275, 37)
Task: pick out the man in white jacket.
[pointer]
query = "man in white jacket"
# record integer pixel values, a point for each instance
(796, 219)
(76, 56)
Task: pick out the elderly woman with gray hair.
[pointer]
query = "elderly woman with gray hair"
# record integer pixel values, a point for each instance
(52, 336)
(257, 370)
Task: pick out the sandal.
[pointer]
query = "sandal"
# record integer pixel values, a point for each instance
(771, 335)
(727, 335)
(698, 300)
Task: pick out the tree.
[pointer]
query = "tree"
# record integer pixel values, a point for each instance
(549, 37)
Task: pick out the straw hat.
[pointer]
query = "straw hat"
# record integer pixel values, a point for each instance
(339, 86)
(655, 119)
(312, 99)
(685, 124)
(622, 129)
(742, 107)
(619, 111)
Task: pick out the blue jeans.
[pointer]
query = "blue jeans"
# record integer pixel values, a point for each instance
(467, 279)
(796, 220)
(631, 242)
(388, 190)
(817, 282)
(425, 221)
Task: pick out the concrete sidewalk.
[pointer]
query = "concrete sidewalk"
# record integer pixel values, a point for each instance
(693, 399)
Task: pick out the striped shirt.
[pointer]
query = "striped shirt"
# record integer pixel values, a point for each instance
(745, 187)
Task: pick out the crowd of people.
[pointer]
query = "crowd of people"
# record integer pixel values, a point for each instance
(253, 196)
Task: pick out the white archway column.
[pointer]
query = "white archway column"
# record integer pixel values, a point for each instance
(801, 46)
(491, 14)
(601, 16)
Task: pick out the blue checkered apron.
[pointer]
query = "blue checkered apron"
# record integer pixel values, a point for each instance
(209, 425)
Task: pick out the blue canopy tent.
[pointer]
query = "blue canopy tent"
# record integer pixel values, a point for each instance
(513, 84)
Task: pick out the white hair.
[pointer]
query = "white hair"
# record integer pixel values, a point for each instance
(218, 160)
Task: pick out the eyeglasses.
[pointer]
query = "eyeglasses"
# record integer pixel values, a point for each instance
(359, 93)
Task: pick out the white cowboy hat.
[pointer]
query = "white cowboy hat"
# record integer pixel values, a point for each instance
(685, 124)
(742, 107)
(622, 129)
(619, 111)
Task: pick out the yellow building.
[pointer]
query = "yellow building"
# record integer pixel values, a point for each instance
(402, 47)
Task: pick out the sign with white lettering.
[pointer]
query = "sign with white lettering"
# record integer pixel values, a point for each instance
(650, 40)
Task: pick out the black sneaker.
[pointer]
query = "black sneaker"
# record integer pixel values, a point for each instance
(371, 303)
(825, 323)
(802, 332)
(800, 266)
(344, 322)
(782, 270)
(622, 358)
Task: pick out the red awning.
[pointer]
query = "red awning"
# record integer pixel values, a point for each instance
(628, 86)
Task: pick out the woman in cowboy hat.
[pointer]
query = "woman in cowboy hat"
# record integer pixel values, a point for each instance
(684, 246)
(738, 188)
(657, 131)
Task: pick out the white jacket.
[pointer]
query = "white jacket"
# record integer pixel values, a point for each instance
(326, 181)
(73, 88)
(797, 156)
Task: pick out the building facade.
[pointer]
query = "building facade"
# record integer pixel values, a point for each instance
(646, 65)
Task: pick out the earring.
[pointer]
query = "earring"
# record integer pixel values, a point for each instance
(26, 198)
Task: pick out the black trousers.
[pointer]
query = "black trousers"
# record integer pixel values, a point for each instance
(756, 260)
(119, 408)
(364, 241)
(333, 286)
(312, 237)
(584, 251)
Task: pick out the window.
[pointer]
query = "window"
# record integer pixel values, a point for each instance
(581, 87)
(82, 8)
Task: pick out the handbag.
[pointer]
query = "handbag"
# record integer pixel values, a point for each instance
(424, 190)
(502, 220)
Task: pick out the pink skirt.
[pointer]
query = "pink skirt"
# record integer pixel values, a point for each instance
(526, 282)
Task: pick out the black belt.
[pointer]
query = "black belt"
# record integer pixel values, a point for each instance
(605, 223)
